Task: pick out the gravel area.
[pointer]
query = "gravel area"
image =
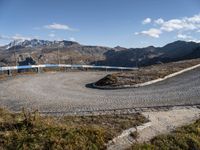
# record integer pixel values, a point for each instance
(66, 92)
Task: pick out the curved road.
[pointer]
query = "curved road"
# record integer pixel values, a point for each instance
(65, 92)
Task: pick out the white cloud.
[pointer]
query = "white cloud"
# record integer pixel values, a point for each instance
(56, 26)
(136, 33)
(151, 32)
(3, 37)
(15, 37)
(72, 39)
(177, 24)
(146, 21)
(185, 24)
(195, 40)
(173, 25)
(194, 19)
(187, 38)
(159, 21)
(20, 37)
(183, 36)
(51, 35)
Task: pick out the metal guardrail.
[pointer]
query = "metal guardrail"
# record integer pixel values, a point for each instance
(9, 68)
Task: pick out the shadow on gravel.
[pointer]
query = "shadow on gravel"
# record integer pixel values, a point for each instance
(91, 86)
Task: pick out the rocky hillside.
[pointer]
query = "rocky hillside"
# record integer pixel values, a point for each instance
(24, 52)
(179, 50)
(40, 51)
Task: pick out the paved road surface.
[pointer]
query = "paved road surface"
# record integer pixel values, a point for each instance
(63, 92)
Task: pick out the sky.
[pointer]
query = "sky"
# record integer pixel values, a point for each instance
(126, 23)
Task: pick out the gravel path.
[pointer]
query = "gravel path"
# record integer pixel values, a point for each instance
(160, 123)
(64, 92)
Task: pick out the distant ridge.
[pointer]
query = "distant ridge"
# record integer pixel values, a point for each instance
(44, 51)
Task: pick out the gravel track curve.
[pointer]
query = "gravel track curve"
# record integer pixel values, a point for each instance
(65, 92)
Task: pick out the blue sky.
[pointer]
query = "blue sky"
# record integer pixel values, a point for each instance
(128, 23)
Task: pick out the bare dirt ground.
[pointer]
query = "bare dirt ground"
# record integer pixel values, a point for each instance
(160, 123)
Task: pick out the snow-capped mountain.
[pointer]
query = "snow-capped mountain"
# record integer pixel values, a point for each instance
(14, 43)
(34, 43)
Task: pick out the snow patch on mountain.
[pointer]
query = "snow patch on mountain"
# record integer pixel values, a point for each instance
(34, 43)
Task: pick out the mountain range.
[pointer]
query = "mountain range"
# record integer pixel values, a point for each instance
(28, 52)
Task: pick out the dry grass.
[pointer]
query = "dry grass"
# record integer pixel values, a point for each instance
(32, 131)
(110, 79)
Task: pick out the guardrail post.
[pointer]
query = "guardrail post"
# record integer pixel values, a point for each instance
(38, 70)
(9, 73)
